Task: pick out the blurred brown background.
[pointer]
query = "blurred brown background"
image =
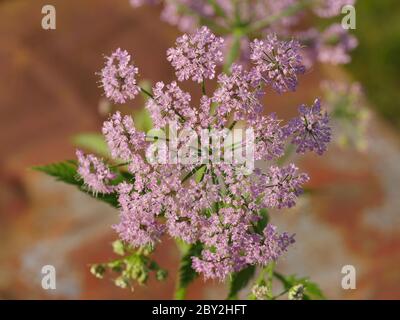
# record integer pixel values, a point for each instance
(49, 92)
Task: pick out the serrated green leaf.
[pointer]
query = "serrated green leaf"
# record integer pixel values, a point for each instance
(239, 280)
(67, 172)
(186, 273)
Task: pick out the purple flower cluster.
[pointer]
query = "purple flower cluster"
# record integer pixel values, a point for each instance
(122, 138)
(138, 215)
(231, 244)
(270, 143)
(310, 131)
(216, 203)
(95, 173)
(331, 8)
(238, 92)
(279, 187)
(170, 103)
(196, 56)
(118, 77)
(278, 62)
(334, 45)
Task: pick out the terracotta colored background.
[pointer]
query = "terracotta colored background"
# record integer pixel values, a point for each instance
(48, 92)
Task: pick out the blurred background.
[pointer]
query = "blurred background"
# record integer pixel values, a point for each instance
(49, 92)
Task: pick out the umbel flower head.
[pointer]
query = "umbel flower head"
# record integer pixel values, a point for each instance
(196, 56)
(310, 131)
(118, 77)
(95, 173)
(278, 62)
(211, 200)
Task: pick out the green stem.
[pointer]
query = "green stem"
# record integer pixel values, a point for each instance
(234, 51)
(120, 165)
(282, 279)
(267, 272)
(280, 294)
(147, 93)
(219, 11)
(180, 293)
(186, 274)
(270, 272)
(232, 125)
(191, 173)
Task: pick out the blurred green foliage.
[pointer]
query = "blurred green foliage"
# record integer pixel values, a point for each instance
(376, 62)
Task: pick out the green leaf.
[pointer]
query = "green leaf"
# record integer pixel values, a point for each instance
(143, 120)
(240, 280)
(200, 174)
(92, 142)
(234, 50)
(67, 172)
(186, 273)
(311, 289)
(192, 172)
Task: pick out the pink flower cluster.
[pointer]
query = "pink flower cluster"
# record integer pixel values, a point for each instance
(331, 8)
(118, 77)
(278, 62)
(216, 203)
(232, 245)
(196, 56)
(310, 131)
